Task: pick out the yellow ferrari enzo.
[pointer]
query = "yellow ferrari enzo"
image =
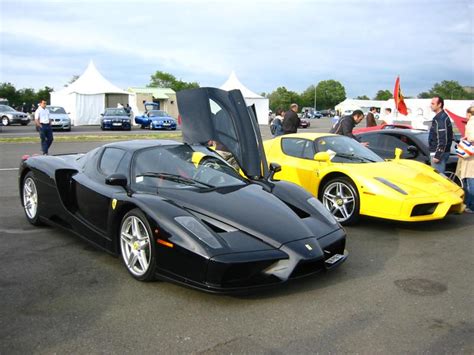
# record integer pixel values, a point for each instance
(351, 180)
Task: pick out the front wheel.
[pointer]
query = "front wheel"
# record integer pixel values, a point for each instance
(341, 198)
(136, 245)
(5, 121)
(451, 175)
(30, 199)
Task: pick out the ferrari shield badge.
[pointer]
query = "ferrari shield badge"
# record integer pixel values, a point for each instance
(114, 204)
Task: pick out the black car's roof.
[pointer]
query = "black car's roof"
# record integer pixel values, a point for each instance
(141, 143)
(396, 130)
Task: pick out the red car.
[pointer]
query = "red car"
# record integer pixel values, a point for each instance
(304, 123)
(382, 126)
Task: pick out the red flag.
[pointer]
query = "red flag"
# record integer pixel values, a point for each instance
(399, 99)
(459, 121)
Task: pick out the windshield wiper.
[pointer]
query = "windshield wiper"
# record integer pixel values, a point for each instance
(176, 178)
(352, 157)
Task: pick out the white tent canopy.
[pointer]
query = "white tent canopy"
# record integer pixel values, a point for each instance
(261, 103)
(87, 97)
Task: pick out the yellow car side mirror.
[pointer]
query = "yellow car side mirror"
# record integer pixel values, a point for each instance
(398, 153)
(322, 157)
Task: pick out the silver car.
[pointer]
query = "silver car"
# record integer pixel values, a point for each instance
(11, 116)
(59, 118)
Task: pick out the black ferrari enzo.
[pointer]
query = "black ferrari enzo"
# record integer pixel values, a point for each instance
(180, 212)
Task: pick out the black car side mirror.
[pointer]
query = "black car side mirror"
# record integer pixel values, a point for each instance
(274, 168)
(116, 180)
(412, 152)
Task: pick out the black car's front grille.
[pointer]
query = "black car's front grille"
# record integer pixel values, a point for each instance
(424, 209)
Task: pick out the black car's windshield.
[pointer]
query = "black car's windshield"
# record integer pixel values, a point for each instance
(157, 113)
(181, 166)
(5, 108)
(345, 150)
(56, 110)
(115, 112)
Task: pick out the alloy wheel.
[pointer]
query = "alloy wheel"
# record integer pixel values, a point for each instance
(135, 245)
(30, 198)
(340, 200)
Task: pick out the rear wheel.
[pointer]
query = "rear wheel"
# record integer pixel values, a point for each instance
(340, 197)
(136, 245)
(30, 199)
(5, 121)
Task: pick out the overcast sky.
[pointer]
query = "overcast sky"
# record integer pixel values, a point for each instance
(363, 44)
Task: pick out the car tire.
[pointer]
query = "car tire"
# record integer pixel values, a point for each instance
(150, 127)
(451, 175)
(30, 199)
(102, 127)
(5, 121)
(341, 198)
(137, 245)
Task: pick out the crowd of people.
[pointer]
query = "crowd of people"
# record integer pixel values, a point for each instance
(440, 137)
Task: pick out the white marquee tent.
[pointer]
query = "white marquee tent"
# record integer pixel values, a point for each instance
(261, 103)
(87, 97)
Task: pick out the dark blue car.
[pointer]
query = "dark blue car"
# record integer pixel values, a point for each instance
(115, 118)
(156, 119)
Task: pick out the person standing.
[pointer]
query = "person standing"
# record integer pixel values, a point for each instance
(371, 117)
(43, 125)
(440, 136)
(276, 127)
(465, 166)
(291, 121)
(346, 124)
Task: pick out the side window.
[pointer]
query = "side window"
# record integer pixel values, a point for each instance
(388, 144)
(110, 160)
(297, 147)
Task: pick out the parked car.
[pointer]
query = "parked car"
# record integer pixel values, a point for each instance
(382, 126)
(412, 142)
(59, 118)
(115, 118)
(351, 180)
(304, 123)
(11, 116)
(156, 119)
(178, 211)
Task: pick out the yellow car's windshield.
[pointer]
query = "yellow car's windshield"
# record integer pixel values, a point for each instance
(345, 150)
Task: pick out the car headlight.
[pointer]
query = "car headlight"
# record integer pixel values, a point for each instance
(390, 184)
(316, 204)
(196, 228)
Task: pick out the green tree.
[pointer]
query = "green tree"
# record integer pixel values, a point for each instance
(424, 95)
(307, 97)
(9, 92)
(329, 93)
(45, 94)
(383, 95)
(363, 97)
(166, 80)
(282, 98)
(450, 89)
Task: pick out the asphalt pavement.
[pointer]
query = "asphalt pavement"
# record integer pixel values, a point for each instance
(405, 288)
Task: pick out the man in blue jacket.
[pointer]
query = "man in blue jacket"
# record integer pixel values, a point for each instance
(440, 136)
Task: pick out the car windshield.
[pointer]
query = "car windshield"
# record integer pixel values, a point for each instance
(345, 150)
(182, 166)
(115, 112)
(157, 113)
(56, 110)
(5, 108)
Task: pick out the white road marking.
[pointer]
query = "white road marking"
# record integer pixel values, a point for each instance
(9, 169)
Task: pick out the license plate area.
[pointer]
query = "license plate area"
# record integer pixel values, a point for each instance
(334, 259)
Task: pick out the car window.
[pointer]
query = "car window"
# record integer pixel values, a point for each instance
(388, 143)
(298, 147)
(110, 160)
(115, 112)
(56, 110)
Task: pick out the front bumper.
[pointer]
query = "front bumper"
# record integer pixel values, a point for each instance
(117, 125)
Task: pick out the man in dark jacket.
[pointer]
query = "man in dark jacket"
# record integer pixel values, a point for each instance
(440, 136)
(346, 124)
(291, 121)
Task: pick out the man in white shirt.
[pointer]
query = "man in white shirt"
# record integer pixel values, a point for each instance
(43, 124)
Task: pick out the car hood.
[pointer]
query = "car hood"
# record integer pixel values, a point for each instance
(272, 221)
(415, 178)
(116, 118)
(61, 116)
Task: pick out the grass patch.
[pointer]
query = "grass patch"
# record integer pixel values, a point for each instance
(93, 137)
